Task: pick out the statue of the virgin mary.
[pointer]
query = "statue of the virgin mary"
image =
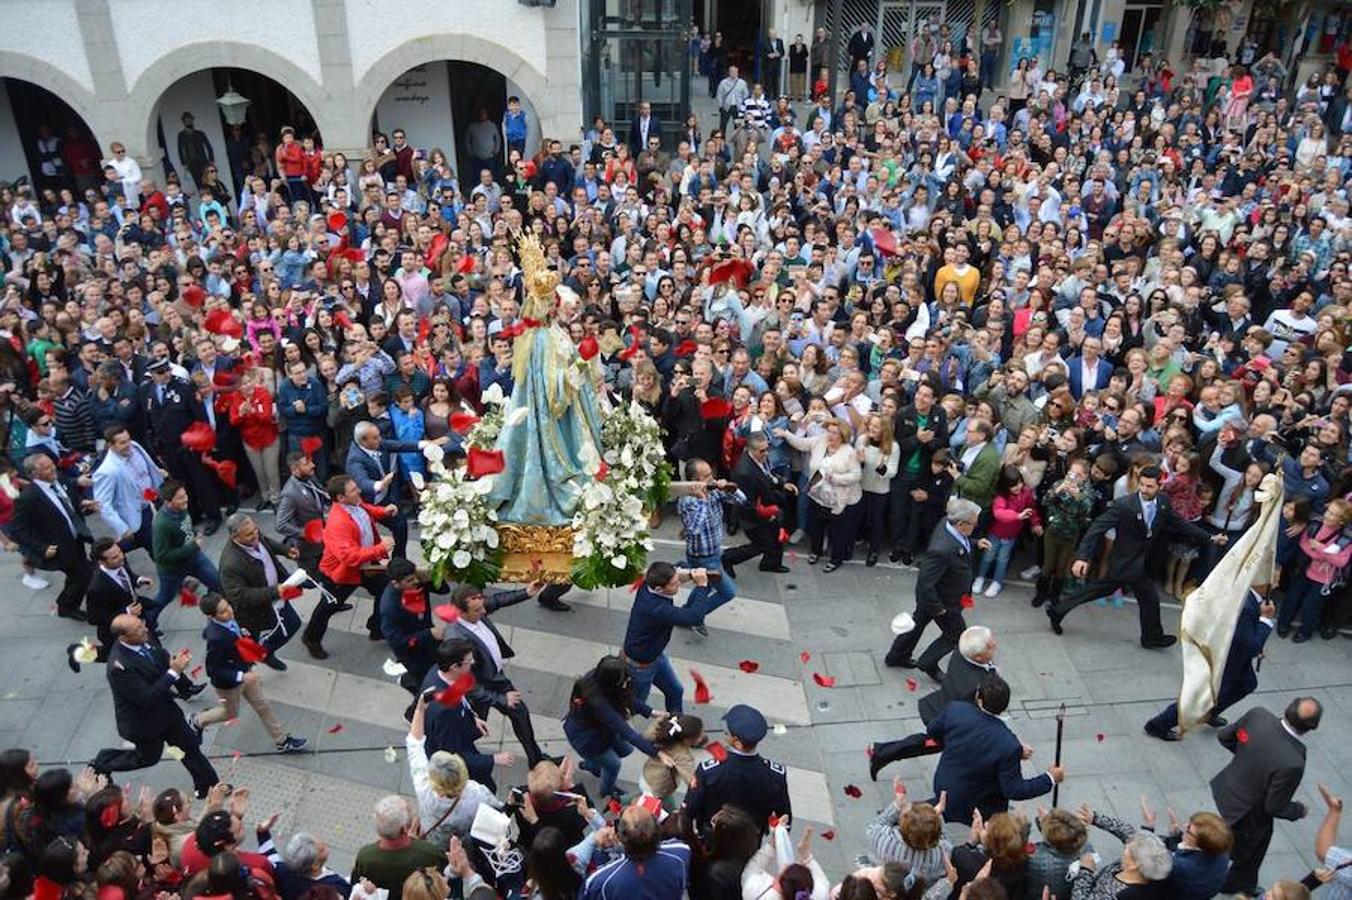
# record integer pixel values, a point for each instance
(551, 433)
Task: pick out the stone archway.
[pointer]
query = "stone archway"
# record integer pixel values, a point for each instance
(100, 117)
(434, 48)
(169, 69)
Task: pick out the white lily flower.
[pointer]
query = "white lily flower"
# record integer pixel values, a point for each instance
(461, 559)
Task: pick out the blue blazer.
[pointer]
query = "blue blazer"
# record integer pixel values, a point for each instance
(1103, 374)
(225, 668)
(981, 766)
(452, 728)
(409, 636)
(366, 473)
(120, 500)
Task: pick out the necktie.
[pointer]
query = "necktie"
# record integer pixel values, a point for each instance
(159, 394)
(65, 505)
(1149, 511)
(126, 581)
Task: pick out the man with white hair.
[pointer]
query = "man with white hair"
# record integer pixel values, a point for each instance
(945, 578)
(396, 853)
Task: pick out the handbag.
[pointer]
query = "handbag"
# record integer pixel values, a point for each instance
(821, 491)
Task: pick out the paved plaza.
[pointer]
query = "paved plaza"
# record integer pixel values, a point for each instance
(351, 711)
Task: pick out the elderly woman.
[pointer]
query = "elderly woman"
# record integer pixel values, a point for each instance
(1064, 839)
(306, 859)
(447, 797)
(834, 487)
(1139, 875)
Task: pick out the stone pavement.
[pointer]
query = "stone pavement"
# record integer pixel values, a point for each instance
(351, 711)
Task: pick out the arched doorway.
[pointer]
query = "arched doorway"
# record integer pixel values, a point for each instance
(228, 119)
(43, 138)
(438, 105)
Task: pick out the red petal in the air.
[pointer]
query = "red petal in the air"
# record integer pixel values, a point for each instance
(748, 666)
(447, 612)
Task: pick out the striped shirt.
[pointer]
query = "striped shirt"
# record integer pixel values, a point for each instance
(886, 845)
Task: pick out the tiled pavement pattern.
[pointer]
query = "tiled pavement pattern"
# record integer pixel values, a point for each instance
(1109, 684)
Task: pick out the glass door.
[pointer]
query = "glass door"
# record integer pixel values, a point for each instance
(637, 51)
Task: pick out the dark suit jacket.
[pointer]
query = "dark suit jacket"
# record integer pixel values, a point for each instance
(491, 684)
(297, 506)
(452, 728)
(906, 428)
(225, 668)
(960, 683)
(760, 487)
(246, 585)
(981, 766)
(1265, 771)
(1103, 373)
(409, 636)
(1132, 546)
(38, 524)
(142, 692)
(636, 142)
(108, 598)
(366, 473)
(945, 573)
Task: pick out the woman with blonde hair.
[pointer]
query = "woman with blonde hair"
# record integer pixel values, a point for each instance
(879, 457)
(1002, 843)
(834, 487)
(447, 797)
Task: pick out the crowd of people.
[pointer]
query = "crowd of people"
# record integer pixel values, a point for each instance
(1059, 332)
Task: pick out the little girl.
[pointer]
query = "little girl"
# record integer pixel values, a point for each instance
(1181, 487)
(1325, 550)
(260, 320)
(677, 736)
(1015, 506)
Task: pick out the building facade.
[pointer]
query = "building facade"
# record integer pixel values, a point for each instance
(129, 69)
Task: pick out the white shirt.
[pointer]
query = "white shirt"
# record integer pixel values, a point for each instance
(485, 635)
(57, 495)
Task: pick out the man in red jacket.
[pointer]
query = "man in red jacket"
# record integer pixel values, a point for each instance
(352, 557)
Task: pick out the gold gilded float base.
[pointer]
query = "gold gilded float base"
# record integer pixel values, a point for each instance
(533, 552)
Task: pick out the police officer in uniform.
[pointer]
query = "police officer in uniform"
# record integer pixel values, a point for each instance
(170, 407)
(748, 781)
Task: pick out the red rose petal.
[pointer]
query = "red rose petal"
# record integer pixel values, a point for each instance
(853, 792)
(828, 835)
(310, 445)
(335, 728)
(717, 750)
(602, 471)
(447, 612)
(636, 584)
(196, 670)
(1099, 737)
(748, 666)
(783, 536)
(868, 751)
(1242, 736)
(462, 422)
(931, 743)
(150, 494)
(614, 807)
(702, 694)
(249, 650)
(234, 756)
(805, 656)
(825, 681)
(291, 593)
(481, 463)
(967, 601)
(186, 597)
(774, 821)
(912, 684)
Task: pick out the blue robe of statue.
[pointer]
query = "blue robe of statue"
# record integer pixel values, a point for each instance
(549, 452)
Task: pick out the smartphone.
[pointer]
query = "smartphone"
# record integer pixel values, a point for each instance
(793, 407)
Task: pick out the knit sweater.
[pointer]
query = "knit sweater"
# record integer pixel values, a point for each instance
(172, 538)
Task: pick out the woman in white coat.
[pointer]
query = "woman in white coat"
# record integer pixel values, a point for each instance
(834, 488)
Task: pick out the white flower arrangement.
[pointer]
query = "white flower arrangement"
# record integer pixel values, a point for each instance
(610, 529)
(484, 434)
(459, 525)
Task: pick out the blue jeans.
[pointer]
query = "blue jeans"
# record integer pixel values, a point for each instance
(660, 673)
(723, 587)
(999, 553)
(199, 567)
(606, 765)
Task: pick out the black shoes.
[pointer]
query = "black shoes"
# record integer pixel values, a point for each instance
(555, 604)
(934, 672)
(872, 560)
(1216, 721)
(904, 663)
(830, 567)
(1054, 620)
(780, 569)
(1159, 643)
(71, 612)
(1161, 734)
(192, 690)
(315, 648)
(272, 662)
(727, 567)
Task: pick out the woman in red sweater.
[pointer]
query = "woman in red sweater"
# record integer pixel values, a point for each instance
(291, 163)
(1015, 506)
(254, 414)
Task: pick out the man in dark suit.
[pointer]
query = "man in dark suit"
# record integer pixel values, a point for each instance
(981, 764)
(371, 463)
(920, 429)
(1257, 618)
(1259, 782)
(945, 577)
(302, 500)
(170, 407)
(406, 621)
(762, 489)
(455, 728)
(52, 532)
(969, 667)
(645, 126)
(1140, 519)
(252, 576)
(141, 677)
(232, 677)
(492, 688)
(1088, 371)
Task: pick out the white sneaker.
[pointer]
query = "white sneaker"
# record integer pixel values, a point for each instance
(978, 585)
(1032, 571)
(34, 583)
(991, 591)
